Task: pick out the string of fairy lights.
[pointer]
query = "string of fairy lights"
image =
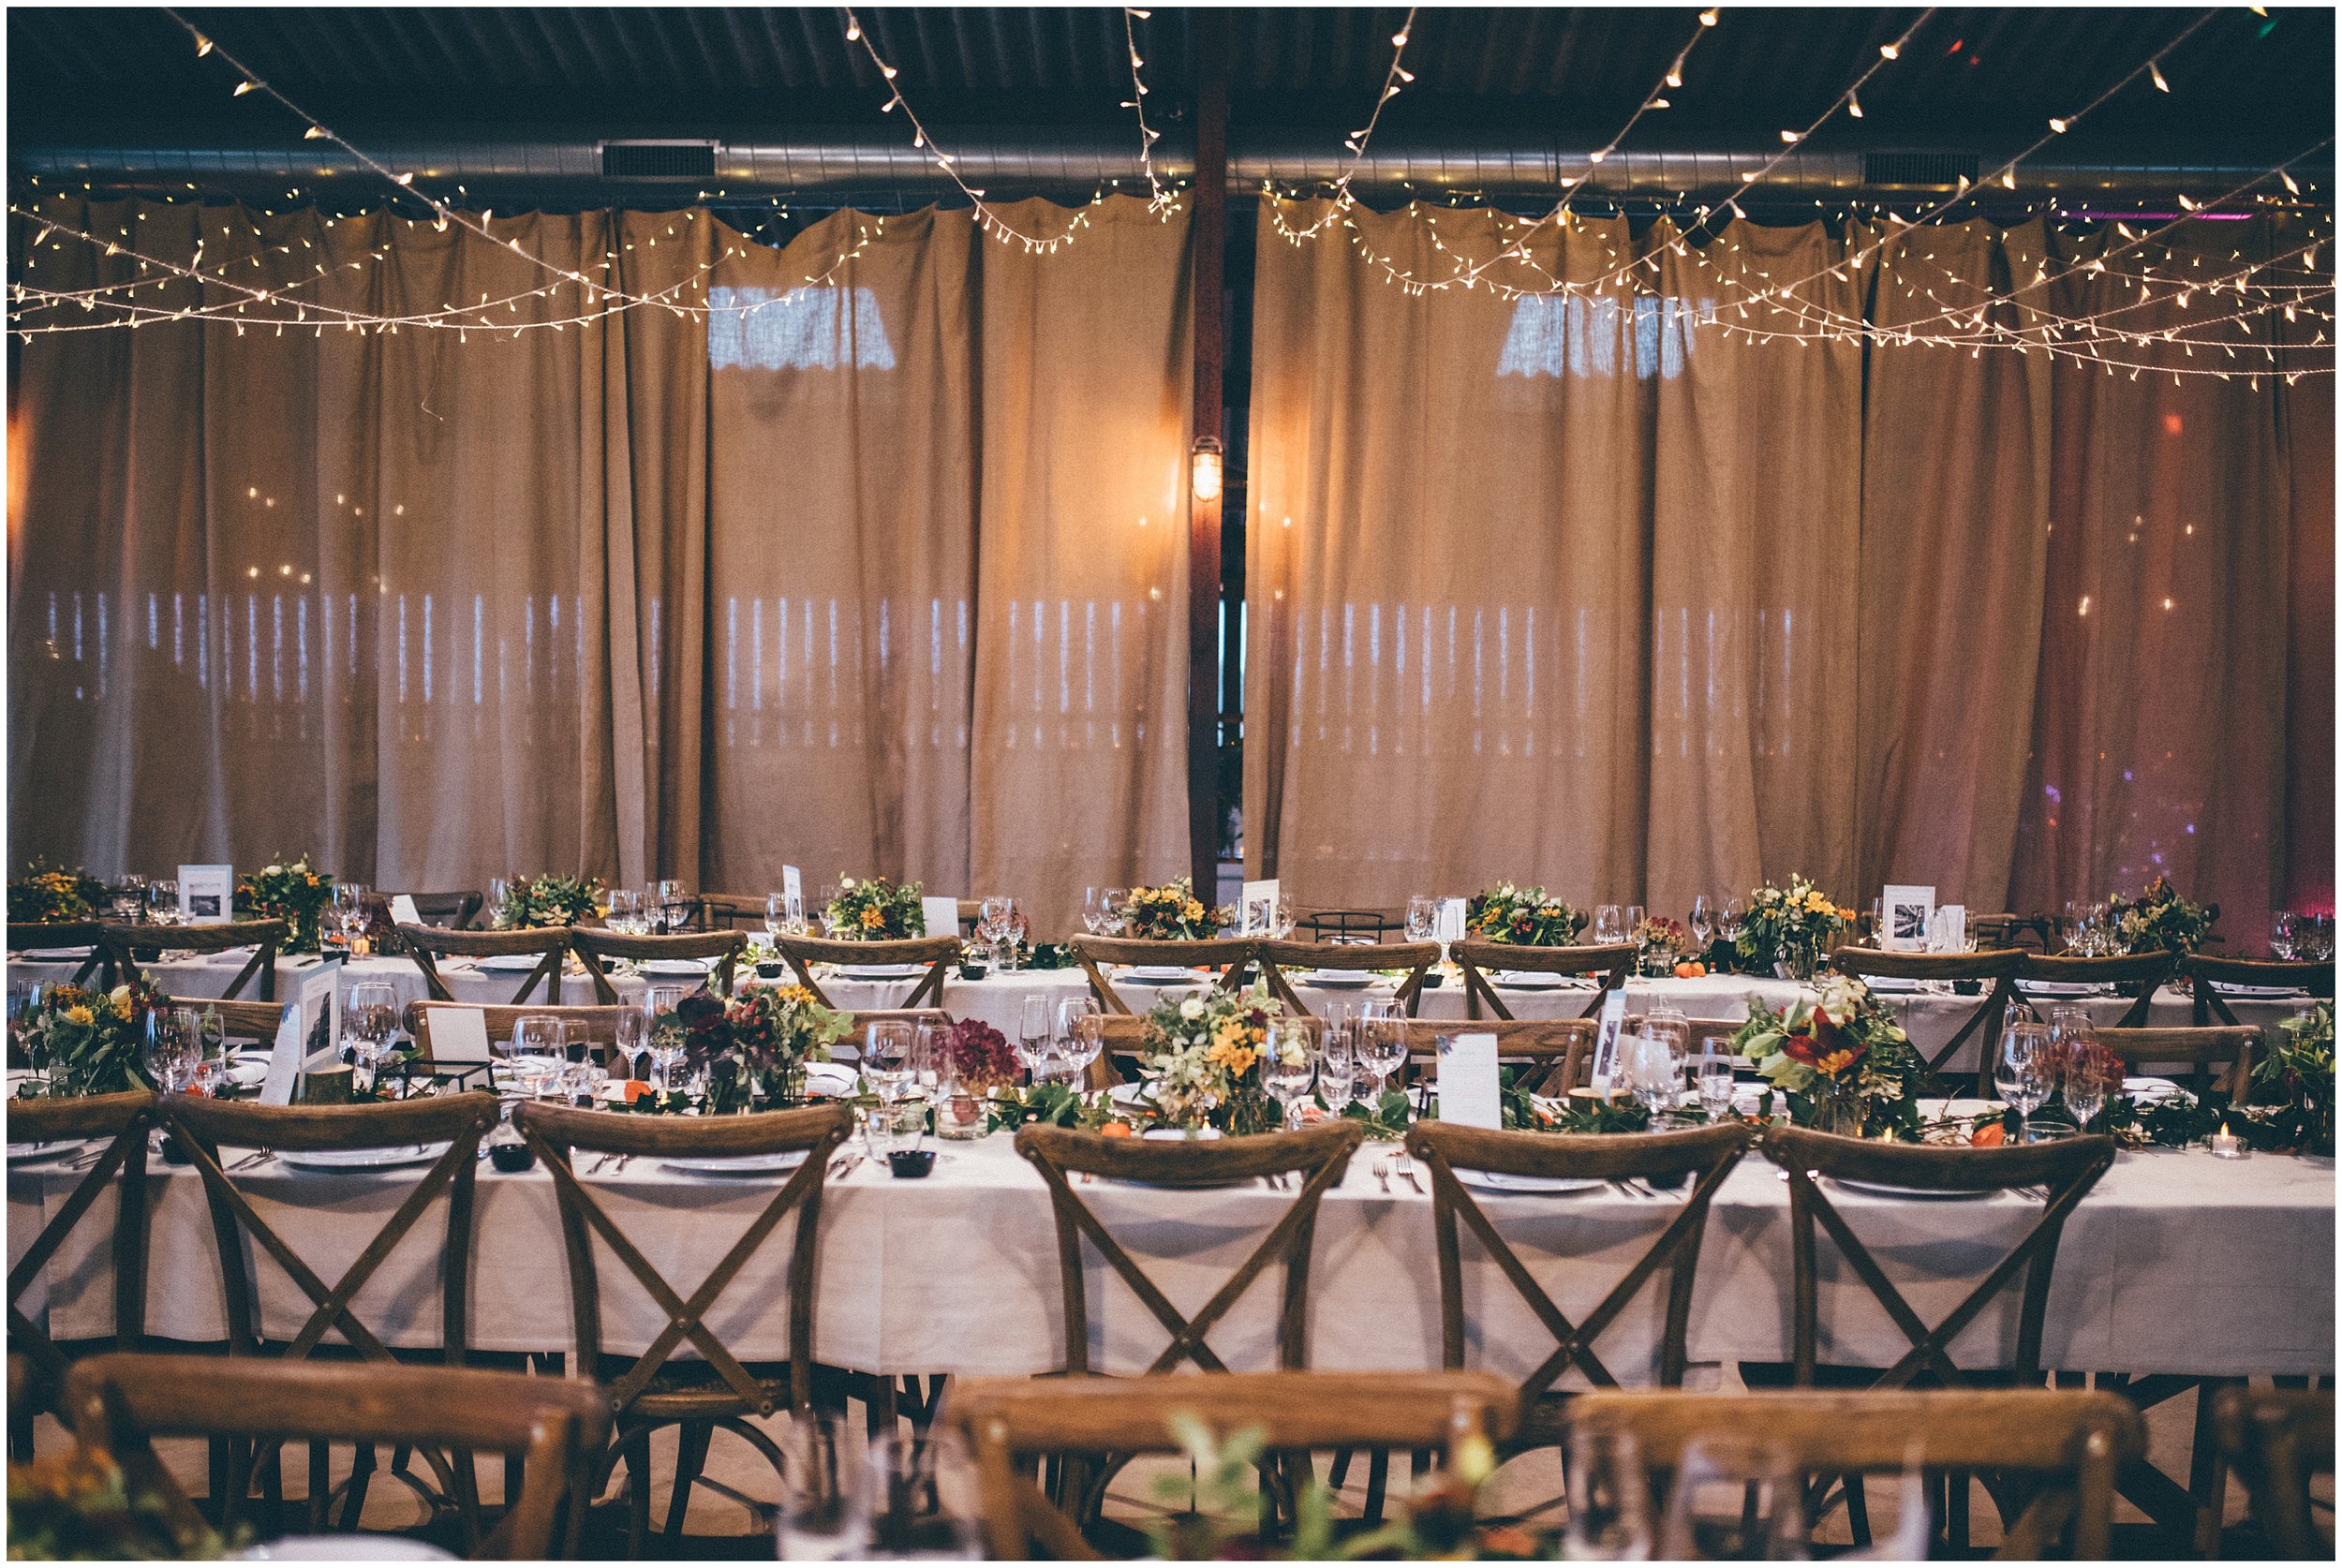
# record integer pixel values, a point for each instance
(2284, 282)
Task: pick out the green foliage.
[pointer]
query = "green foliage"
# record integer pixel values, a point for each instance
(51, 894)
(1796, 925)
(91, 1042)
(876, 910)
(1010, 1106)
(2299, 1064)
(530, 902)
(1521, 917)
(293, 892)
(2160, 920)
(1387, 1117)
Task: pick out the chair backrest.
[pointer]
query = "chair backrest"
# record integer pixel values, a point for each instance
(454, 910)
(254, 1020)
(2279, 1440)
(859, 1035)
(732, 911)
(1997, 967)
(204, 1126)
(122, 1119)
(599, 1024)
(2201, 1049)
(1706, 1153)
(1318, 1154)
(1611, 961)
(264, 937)
(1232, 956)
(938, 953)
(1551, 1052)
(2209, 974)
(427, 944)
(119, 1403)
(2142, 972)
(1720, 1030)
(2032, 932)
(1008, 1422)
(29, 940)
(1414, 960)
(2075, 1441)
(1332, 926)
(555, 1131)
(596, 945)
(2065, 1170)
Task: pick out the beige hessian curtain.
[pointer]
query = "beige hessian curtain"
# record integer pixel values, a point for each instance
(1733, 598)
(691, 591)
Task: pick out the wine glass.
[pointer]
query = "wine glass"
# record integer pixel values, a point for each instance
(1381, 1044)
(1094, 911)
(2021, 1069)
(1609, 1499)
(824, 1514)
(674, 904)
(173, 1047)
(1631, 920)
(626, 911)
(1336, 1071)
(887, 1064)
(778, 919)
(1118, 910)
(629, 1034)
(1422, 917)
(666, 1044)
(1715, 1081)
(539, 1055)
(926, 1497)
(371, 1010)
(1650, 1071)
(1670, 1025)
(2281, 944)
(349, 910)
(1607, 929)
(1735, 1498)
(1085, 1039)
(1032, 1035)
(2091, 1073)
(130, 898)
(1702, 923)
(162, 902)
(1285, 1068)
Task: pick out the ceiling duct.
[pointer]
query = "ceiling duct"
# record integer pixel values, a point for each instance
(1919, 171)
(659, 160)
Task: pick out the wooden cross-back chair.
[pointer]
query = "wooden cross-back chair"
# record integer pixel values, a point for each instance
(1610, 961)
(1552, 1054)
(63, 941)
(2066, 1447)
(1414, 959)
(1341, 925)
(1720, 1030)
(1993, 968)
(2144, 971)
(655, 1389)
(596, 946)
(1231, 956)
(119, 1403)
(122, 1119)
(2033, 932)
(428, 944)
(203, 1126)
(2200, 1049)
(2279, 1440)
(1700, 1158)
(1011, 1422)
(733, 911)
(857, 1038)
(2209, 974)
(238, 1020)
(264, 937)
(938, 953)
(453, 911)
(598, 1025)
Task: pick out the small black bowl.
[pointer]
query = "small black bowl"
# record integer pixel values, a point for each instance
(771, 970)
(511, 1157)
(973, 971)
(910, 1164)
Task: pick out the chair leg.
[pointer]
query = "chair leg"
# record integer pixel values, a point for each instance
(320, 1485)
(1377, 1484)
(690, 1458)
(361, 1475)
(637, 1493)
(2207, 1477)
(1858, 1509)
(1956, 1509)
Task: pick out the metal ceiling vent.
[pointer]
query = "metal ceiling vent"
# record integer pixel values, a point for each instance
(1924, 170)
(657, 160)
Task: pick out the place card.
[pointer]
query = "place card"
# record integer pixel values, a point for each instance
(459, 1035)
(942, 916)
(1906, 918)
(1449, 927)
(207, 894)
(1949, 931)
(1602, 1065)
(320, 999)
(1259, 909)
(403, 910)
(1467, 1081)
(284, 1067)
(793, 885)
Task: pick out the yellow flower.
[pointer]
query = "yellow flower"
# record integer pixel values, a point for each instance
(79, 1014)
(872, 920)
(1191, 910)
(795, 993)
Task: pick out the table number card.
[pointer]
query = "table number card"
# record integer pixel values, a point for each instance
(792, 884)
(942, 916)
(1450, 922)
(1467, 1081)
(403, 910)
(459, 1035)
(1905, 914)
(284, 1067)
(1949, 931)
(321, 1006)
(1258, 905)
(1602, 1064)
(207, 894)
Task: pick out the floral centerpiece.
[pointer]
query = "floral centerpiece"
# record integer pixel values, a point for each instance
(2160, 920)
(978, 1057)
(50, 894)
(1521, 917)
(91, 1042)
(294, 893)
(875, 910)
(2299, 1066)
(530, 902)
(1203, 1058)
(1660, 944)
(1790, 929)
(755, 1047)
(77, 1504)
(1841, 1062)
(1171, 913)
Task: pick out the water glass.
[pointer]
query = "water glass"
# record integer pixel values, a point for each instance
(539, 1055)
(824, 1512)
(1285, 1070)
(1715, 1082)
(1422, 917)
(887, 1064)
(1609, 1499)
(1735, 1499)
(1337, 1072)
(925, 1502)
(890, 1129)
(1648, 1063)
(1607, 925)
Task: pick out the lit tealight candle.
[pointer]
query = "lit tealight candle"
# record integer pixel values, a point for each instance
(2227, 1144)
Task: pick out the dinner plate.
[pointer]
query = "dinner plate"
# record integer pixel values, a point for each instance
(248, 1070)
(880, 972)
(736, 1164)
(1179, 1134)
(1502, 1181)
(1130, 1095)
(1527, 980)
(1889, 1189)
(1890, 984)
(33, 1154)
(2150, 1088)
(342, 1548)
(363, 1159)
(2061, 987)
(688, 968)
(47, 954)
(828, 1078)
(1340, 979)
(510, 963)
(1163, 974)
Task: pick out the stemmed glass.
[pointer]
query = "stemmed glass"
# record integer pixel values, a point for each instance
(995, 923)
(2021, 1069)
(1285, 1070)
(784, 916)
(1096, 917)
(629, 1035)
(674, 904)
(887, 1063)
(174, 1046)
(2281, 941)
(349, 911)
(824, 1514)
(539, 1055)
(1630, 919)
(1609, 1499)
(162, 902)
(372, 1013)
(1118, 910)
(1702, 923)
(1085, 1039)
(1607, 928)
(1650, 1063)
(1336, 1071)
(626, 913)
(130, 898)
(499, 895)
(1422, 917)
(1669, 1024)
(1728, 920)
(2091, 1073)
(1381, 1043)
(666, 1046)
(1032, 1035)
(1715, 1081)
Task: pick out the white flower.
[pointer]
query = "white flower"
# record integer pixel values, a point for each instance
(1192, 1008)
(844, 882)
(1841, 998)
(272, 870)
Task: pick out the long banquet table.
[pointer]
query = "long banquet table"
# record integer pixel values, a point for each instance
(2176, 1263)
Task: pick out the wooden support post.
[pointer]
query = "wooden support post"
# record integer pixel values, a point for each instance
(1209, 232)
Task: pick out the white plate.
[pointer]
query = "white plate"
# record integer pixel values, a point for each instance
(2276, 992)
(828, 1078)
(1179, 1134)
(1888, 1189)
(687, 968)
(363, 1159)
(33, 1154)
(1341, 980)
(737, 1164)
(248, 1072)
(881, 971)
(1500, 1181)
(510, 963)
(1890, 984)
(2149, 1088)
(1527, 980)
(2061, 988)
(47, 954)
(1163, 975)
(1129, 1095)
(342, 1548)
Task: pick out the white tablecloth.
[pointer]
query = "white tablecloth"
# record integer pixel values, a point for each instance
(2176, 1263)
(209, 975)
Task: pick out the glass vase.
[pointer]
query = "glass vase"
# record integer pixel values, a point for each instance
(958, 1114)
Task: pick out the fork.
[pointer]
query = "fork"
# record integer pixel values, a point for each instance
(255, 1158)
(1406, 1169)
(1382, 1174)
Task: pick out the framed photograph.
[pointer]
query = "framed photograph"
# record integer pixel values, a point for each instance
(1259, 909)
(207, 894)
(1905, 914)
